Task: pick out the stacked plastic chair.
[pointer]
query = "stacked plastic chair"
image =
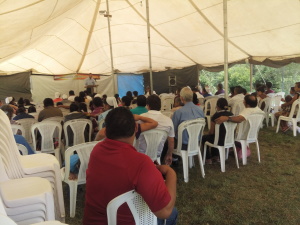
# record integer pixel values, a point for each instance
(84, 151)
(37, 165)
(26, 124)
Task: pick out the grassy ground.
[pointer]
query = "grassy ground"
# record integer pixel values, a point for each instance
(265, 193)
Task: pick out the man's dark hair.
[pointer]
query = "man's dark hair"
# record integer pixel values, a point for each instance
(238, 89)
(48, 102)
(251, 100)
(77, 99)
(21, 102)
(232, 89)
(135, 93)
(82, 107)
(74, 107)
(59, 103)
(220, 86)
(31, 109)
(244, 91)
(126, 100)
(119, 123)
(269, 84)
(141, 100)
(154, 102)
(21, 110)
(71, 92)
(261, 89)
(97, 102)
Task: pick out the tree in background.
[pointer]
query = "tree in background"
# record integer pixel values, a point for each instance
(282, 78)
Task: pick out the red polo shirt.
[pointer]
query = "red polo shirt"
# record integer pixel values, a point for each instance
(115, 168)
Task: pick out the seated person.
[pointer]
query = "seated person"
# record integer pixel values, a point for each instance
(222, 110)
(57, 97)
(141, 105)
(49, 110)
(128, 169)
(21, 114)
(126, 102)
(97, 107)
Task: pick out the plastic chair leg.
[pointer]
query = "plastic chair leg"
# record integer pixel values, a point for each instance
(73, 196)
(191, 161)
(185, 167)
(244, 152)
(258, 152)
(278, 125)
(201, 164)
(294, 127)
(204, 153)
(222, 158)
(236, 157)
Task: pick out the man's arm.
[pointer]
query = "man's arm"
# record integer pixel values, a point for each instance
(170, 181)
(235, 119)
(147, 124)
(168, 157)
(101, 134)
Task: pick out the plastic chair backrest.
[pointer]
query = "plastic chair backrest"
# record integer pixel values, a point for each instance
(229, 136)
(84, 151)
(275, 102)
(78, 127)
(26, 124)
(101, 122)
(267, 102)
(141, 213)
(295, 109)
(194, 129)
(237, 108)
(5, 220)
(16, 128)
(22, 149)
(153, 138)
(48, 131)
(280, 94)
(210, 104)
(167, 102)
(54, 118)
(167, 113)
(255, 121)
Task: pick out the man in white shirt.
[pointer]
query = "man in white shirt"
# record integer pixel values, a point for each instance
(238, 96)
(164, 123)
(89, 81)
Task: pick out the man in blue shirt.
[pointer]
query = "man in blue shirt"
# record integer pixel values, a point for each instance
(189, 111)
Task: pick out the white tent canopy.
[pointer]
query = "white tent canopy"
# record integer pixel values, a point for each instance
(71, 36)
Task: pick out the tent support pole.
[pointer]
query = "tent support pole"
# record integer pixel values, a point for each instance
(251, 77)
(111, 51)
(225, 48)
(149, 46)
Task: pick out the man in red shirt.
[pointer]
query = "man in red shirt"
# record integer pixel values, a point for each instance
(116, 167)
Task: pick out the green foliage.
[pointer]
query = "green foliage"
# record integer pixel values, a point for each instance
(282, 78)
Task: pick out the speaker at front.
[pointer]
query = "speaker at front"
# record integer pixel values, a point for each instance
(172, 80)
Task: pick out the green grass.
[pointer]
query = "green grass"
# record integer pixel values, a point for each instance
(258, 193)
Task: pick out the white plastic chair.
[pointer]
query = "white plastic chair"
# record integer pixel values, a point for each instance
(295, 111)
(167, 102)
(78, 127)
(48, 131)
(54, 118)
(141, 213)
(268, 114)
(26, 124)
(16, 128)
(153, 139)
(36, 165)
(250, 127)
(100, 123)
(194, 128)
(210, 109)
(167, 113)
(237, 107)
(275, 103)
(228, 143)
(17, 195)
(83, 150)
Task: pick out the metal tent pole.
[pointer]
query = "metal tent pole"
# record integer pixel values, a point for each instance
(149, 46)
(225, 48)
(110, 47)
(251, 77)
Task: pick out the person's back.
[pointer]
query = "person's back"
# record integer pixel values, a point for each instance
(116, 167)
(141, 105)
(49, 110)
(188, 112)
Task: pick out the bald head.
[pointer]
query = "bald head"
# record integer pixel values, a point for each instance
(186, 94)
(250, 101)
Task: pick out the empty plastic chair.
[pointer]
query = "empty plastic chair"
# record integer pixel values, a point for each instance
(18, 129)
(26, 124)
(141, 213)
(210, 109)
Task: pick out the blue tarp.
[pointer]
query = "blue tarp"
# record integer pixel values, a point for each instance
(130, 82)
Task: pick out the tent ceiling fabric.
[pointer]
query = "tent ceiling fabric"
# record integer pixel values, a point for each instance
(69, 36)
